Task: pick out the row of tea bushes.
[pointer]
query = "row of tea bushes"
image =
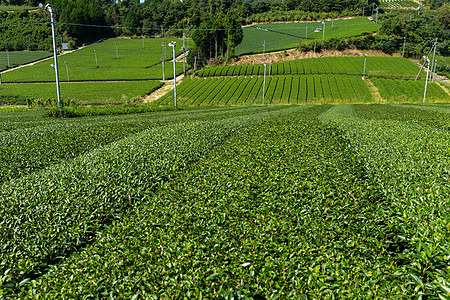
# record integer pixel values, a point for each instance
(410, 163)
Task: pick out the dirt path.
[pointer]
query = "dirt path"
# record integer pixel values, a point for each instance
(167, 87)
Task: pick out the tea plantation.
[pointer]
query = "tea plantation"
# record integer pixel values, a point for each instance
(249, 202)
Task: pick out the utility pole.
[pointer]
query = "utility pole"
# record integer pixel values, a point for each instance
(426, 80)
(434, 72)
(404, 44)
(184, 54)
(264, 48)
(164, 53)
(364, 72)
(323, 31)
(270, 63)
(195, 64)
(67, 70)
(373, 4)
(315, 41)
(52, 18)
(7, 56)
(434, 54)
(96, 61)
(376, 18)
(264, 84)
(173, 45)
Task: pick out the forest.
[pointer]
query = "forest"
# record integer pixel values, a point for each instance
(84, 21)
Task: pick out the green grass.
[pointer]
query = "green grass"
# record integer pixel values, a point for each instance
(17, 58)
(86, 93)
(133, 62)
(279, 36)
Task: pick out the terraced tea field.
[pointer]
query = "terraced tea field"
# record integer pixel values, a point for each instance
(386, 67)
(84, 93)
(17, 58)
(133, 60)
(280, 36)
(314, 201)
(312, 80)
(289, 89)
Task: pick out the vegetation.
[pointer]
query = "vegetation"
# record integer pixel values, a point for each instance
(135, 59)
(388, 67)
(408, 90)
(279, 36)
(17, 58)
(289, 89)
(257, 202)
(77, 93)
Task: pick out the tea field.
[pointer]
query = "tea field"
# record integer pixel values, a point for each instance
(135, 59)
(289, 89)
(280, 36)
(309, 201)
(17, 58)
(386, 67)
(82, 93)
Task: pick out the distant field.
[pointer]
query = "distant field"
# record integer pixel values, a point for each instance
(398, 4)
(92, 93)
(279, 36)
(17, 58)
(15, 8)
(391, 67)
(132, 61)
(290, 89)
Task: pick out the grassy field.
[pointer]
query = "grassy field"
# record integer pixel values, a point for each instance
(279, 36)
(84, 93)
(134, 60)
(292, 202)
(17, 58)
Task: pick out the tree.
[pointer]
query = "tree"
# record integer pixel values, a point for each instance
(219, 35)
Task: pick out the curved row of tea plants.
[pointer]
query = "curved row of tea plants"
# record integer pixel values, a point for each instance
(29, 149)
(51, 213)
(389, 67)
(279, 210)
(408, 159)
(289, 89)
(289, 208)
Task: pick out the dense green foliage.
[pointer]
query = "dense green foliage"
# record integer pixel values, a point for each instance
(135, 59)
(289, 89)
(249, 202)
(76, 93)
(387, 67)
